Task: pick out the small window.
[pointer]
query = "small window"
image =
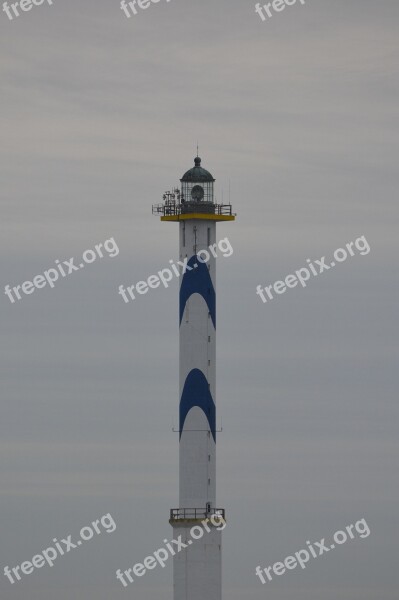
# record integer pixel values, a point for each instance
(209, 363)
(209, 482)
(209, 338)
(209, 458)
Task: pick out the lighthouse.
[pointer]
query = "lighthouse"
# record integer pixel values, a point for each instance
(197, 568)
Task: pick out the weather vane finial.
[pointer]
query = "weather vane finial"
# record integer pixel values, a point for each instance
(197, 149)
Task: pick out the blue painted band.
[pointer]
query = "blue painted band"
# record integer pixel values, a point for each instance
(196, 393)
(198, 281)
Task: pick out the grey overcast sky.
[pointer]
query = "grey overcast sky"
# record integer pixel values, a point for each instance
(100, 114)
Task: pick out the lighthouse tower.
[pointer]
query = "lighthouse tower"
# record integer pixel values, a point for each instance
(197, 568)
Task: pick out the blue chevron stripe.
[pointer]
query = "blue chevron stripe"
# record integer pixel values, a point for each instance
(196, 393)
(198, 281)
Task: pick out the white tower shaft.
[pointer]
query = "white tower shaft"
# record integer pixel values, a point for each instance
(197, 456)
(197, 569)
